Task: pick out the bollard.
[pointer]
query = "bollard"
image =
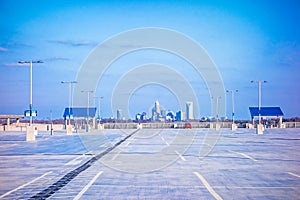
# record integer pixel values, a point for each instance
(35, 131)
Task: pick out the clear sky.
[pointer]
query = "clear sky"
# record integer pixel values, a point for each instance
(247, 40)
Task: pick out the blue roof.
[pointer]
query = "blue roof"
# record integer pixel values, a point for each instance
(266, 111)
(80, 112)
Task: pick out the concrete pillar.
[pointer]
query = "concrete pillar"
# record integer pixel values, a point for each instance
(69, 129)
(139, 126)
(100, 126)
(94, 123)
(30, 136)
(8, 121)
(260, 129)
(280, 122)
(233, 127)
(218, 126)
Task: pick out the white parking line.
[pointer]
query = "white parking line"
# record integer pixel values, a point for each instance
(79, 195)
(126, 145)
(180, 156)
(116, 155)
(165, 141)
(291, 173)
(208, 187)
(104, 144)
(245, 155)
(24, 185)
(76, 161)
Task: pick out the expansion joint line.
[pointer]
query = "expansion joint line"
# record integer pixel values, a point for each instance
(52, 189)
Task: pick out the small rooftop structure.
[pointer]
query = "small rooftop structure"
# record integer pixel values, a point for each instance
(11, 116)
(266, 112)
(80, 112)
(8, 117)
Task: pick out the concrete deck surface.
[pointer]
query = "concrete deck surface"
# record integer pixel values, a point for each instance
(151, 164)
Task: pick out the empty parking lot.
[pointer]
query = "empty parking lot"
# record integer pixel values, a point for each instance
(151, 164)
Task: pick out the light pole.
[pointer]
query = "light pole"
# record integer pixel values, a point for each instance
(217, 108)
(217, 112)
(98, 98)
(30, 93)
(232, 101)
(70, 84)
(88, 102)
(51, 128)
(259, 82)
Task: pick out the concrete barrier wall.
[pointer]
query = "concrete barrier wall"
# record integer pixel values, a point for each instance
(47, 127)
(292, 124)
(39, 127)
(164, 125)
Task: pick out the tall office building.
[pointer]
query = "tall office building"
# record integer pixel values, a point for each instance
(156, 111)
(119, 114)
(189, 110)
(180, 116)
(157, 108)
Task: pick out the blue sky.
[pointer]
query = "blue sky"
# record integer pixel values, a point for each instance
(247, 40)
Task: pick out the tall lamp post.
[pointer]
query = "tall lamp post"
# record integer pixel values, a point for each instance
(70, 84)
(233, 127)
(259, 82)
(88, 104)
(217, 112)
(30, 133)
(30, 93)
(98, 98)
(217, 107)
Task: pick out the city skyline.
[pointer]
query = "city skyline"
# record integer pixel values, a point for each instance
(247, 41)
(161, 114)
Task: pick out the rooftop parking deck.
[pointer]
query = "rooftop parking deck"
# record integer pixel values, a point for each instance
(151, 164)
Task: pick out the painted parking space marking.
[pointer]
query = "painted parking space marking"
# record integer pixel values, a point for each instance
(244, 155)
(74, 162)
(207, 186)
(106, 144)
(66, 179)
(77, 160)
(293, 174)
(180, 156)
(116, 155)
(164, 140)
(126, 145)
(79, 195)
(24, 185)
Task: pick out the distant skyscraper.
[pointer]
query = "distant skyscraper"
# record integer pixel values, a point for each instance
(156, 111)
(138, 117)
(180, 116)
(157, 108)
(144, 116)
(189, 110)
(119, 114)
